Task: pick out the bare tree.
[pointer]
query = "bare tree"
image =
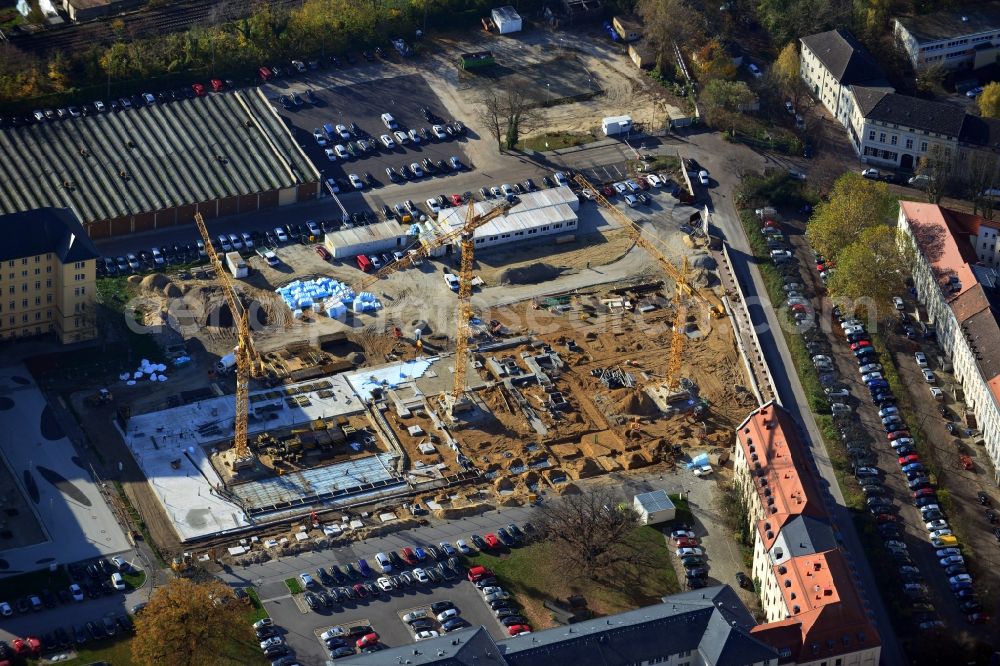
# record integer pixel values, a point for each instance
(490, 114)
(668, 22)
(507, 114)
(520, 115)
(939, 167)
(979, 175)
(590, 532)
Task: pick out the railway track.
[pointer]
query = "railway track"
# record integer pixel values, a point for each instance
(145, 22)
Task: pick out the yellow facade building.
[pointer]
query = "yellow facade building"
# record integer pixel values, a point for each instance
(47, 276)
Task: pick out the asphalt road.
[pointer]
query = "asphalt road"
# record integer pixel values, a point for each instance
(716, 155)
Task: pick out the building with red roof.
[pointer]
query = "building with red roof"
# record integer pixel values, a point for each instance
(814, 613)
(956, 257)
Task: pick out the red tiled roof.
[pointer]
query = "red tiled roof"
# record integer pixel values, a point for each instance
(935, 233)
(826, 614)
(784, 483)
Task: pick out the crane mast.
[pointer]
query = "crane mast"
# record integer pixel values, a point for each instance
(248, 361)
(679, 276)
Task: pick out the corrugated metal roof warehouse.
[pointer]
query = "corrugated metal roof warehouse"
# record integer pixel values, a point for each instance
(146, 168)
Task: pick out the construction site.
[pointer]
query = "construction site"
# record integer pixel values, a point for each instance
(509, 403)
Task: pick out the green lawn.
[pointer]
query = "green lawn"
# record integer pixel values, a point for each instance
(555, 141)
(257, 611)
(135, 579)
(533, 576)
(119, 653)
(115, 652)
(293, 585)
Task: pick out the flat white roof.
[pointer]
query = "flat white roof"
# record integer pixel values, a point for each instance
(367, 234)
(507, 13)
(535, 209)
(159, 440)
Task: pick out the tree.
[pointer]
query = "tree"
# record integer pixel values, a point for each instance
(590, 533)
(668, 22)
(870, 272)
(187, 622)
(520, 114)
(855, 204)
(939, 167)
(490, 114)
(507, 114)
(989, 101)
(713, 62)
(721, 98)
(980, 176)
(786, 68)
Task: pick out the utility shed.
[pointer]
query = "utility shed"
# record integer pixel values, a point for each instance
(654, 507)
(628, 28)
(507, 20)
(382, 237)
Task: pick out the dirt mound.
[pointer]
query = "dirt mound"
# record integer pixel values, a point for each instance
(154, 282)
(134, 279)
(530, 274)
(705, 261)
(586, 468)
(567, 489)
(172, 291)
(629, 401)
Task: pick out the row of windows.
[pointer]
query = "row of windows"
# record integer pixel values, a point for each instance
(894, 140)
(24, 318)
(12, 305)
(530, 232)
(27, 331)
(24, 261)
(24, 274)
(881, 154)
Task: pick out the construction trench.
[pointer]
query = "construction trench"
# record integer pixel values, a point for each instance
(561, 389)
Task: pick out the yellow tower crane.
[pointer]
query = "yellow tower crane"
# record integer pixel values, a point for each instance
(679, 275)
(248, 360)
(465, 235)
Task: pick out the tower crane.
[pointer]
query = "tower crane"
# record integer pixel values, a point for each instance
(248, 360)
(465, 235)
(679, 275)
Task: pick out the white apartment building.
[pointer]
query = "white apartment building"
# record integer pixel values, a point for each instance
(889, 129)
(885, 128)
(966, 38)
(956, 281)
(833, 61)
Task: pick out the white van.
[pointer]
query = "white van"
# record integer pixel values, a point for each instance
(383, 562)
(389, 121)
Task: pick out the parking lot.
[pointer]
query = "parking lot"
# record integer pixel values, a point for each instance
(363, 103)
(925, 592)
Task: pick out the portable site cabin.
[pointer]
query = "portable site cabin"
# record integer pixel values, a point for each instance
(506, 19)
(654, 507)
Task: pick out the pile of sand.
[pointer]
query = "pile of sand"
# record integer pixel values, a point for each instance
(633, 401)
(154, 282)
(530, 274)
